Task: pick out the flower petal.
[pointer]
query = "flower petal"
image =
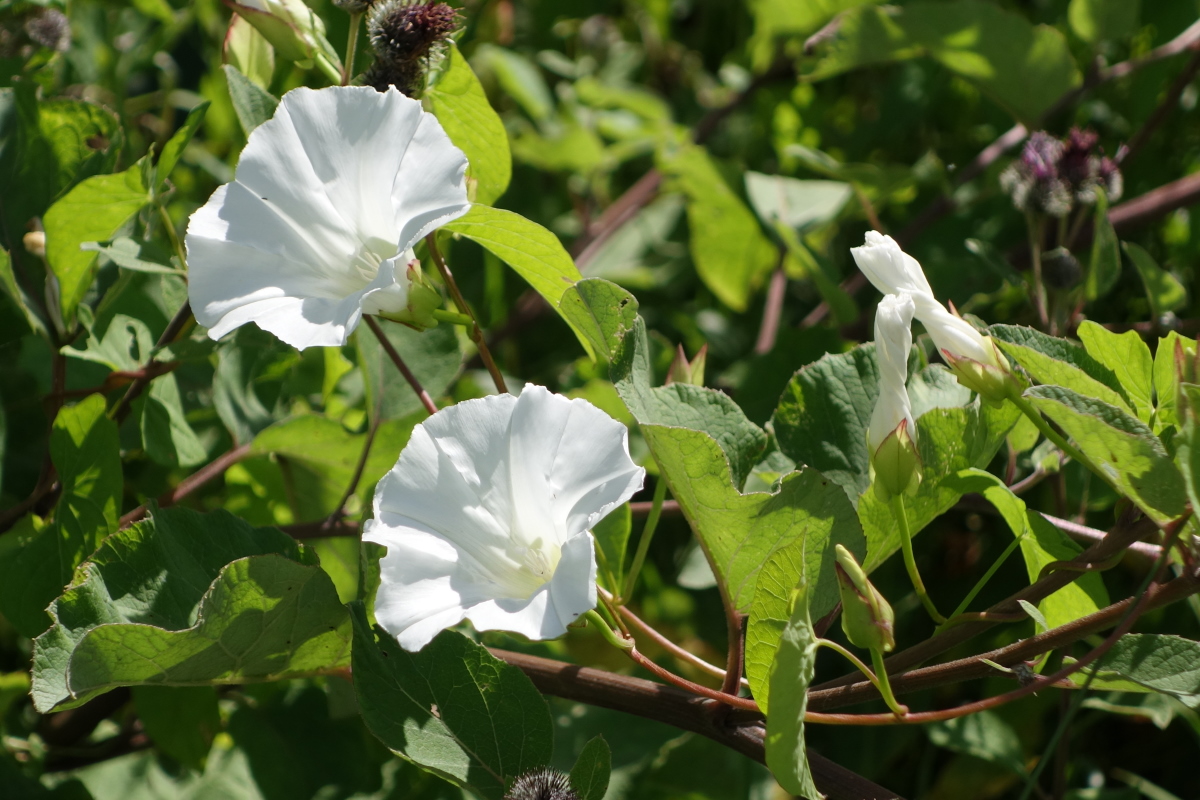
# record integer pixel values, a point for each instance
(571, 465)
(573, 588)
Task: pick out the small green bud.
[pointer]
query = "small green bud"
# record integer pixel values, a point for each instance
(867, 618)
(896, 465)
(423, 300)
(684, 371)
(994, 381)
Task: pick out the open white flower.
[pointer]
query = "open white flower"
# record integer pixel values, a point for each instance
(973, 356)
(893, 343)
(487, 516)
(329, 197)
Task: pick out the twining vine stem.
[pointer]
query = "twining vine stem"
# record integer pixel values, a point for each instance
(394, 355)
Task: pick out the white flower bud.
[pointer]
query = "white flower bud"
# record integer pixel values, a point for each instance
(893, 342)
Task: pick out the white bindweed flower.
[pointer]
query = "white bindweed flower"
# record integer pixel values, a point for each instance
(892, 433)
(318, 226)
(973, 356)
(487, 516)
(893, 343)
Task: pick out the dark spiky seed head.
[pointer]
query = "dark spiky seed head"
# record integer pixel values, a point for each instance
(405, 31)
(1061, 269)
(542, 784)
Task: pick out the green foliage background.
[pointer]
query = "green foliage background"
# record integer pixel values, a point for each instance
(766, 157)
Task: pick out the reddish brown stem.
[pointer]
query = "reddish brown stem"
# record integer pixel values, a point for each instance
(191, 483)
(388, 348)
(772, 311)
(173, 330)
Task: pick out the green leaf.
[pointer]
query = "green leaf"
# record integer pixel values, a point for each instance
(173, 149)
(1104, 268)
(791, 674)
(1149, 662)
(823, 415)
(459, 103)
(984, 735)
(333, 453)
(1129, 359)
(612, 540)
(189, 599)
(252, 104)
(137, 256)
(124, 344)
(1163, 289)
(686, 406)
(727, 244)
(601, 312)
(1025, 68)
(1058, 362)
(166, 433)
(1171, 348)
(1041, 543)
(246, 380)
(1103, 20)
(798, 204)
(453, 708)
(85, 449)
(13, 290)
(434, 356)
(1121, 446)
(93, 211)
(519, 78)
(181, 720)
(589, 776)
(533, 252)
(809, 557)
(264, 618)
(950, 440)
(739, 531)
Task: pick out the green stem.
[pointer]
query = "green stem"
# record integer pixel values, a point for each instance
(910, 561)
(351, 48)
(330, 70)
(987, 576)
(611, 636)
(884, 685)
(1037, 419)
(169, 224)
(1036, 233)
(639, 558)
(453, 317)
(853, 659)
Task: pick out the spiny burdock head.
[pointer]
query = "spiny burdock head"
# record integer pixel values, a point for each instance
(542, 784)
(408, 37)
(1051, 176)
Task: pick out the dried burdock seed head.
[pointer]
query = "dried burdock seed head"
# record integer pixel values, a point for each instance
(405, 31)
(542, 784)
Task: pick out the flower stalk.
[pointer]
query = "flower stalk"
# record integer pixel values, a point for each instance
(910, 561)
(474, 331)
(639, 557)
(351, 47)
(612, 637)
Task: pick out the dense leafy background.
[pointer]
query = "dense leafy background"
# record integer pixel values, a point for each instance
(877, 120)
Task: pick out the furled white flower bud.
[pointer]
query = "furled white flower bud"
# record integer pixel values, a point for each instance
(892, 434)
(974, 358)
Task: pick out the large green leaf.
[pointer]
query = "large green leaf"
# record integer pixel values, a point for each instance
(1163, 289)
(1150, 662)
(265, 617)
(1025, 68)
(984, 735)
(685, 406)
(729, 249)
(807, 559)
(1131, 457)
(166, 434)
(252, 104)
(791, 674)
(453, 708)
(740, 532)
(434, 356)
(1041, 543)
(164, 582)
(458, 101)
(533, 252)
(181, 720)
(35, 564)
(92, 211)
(1129, 359)
(1059, 362)
(823, 415)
